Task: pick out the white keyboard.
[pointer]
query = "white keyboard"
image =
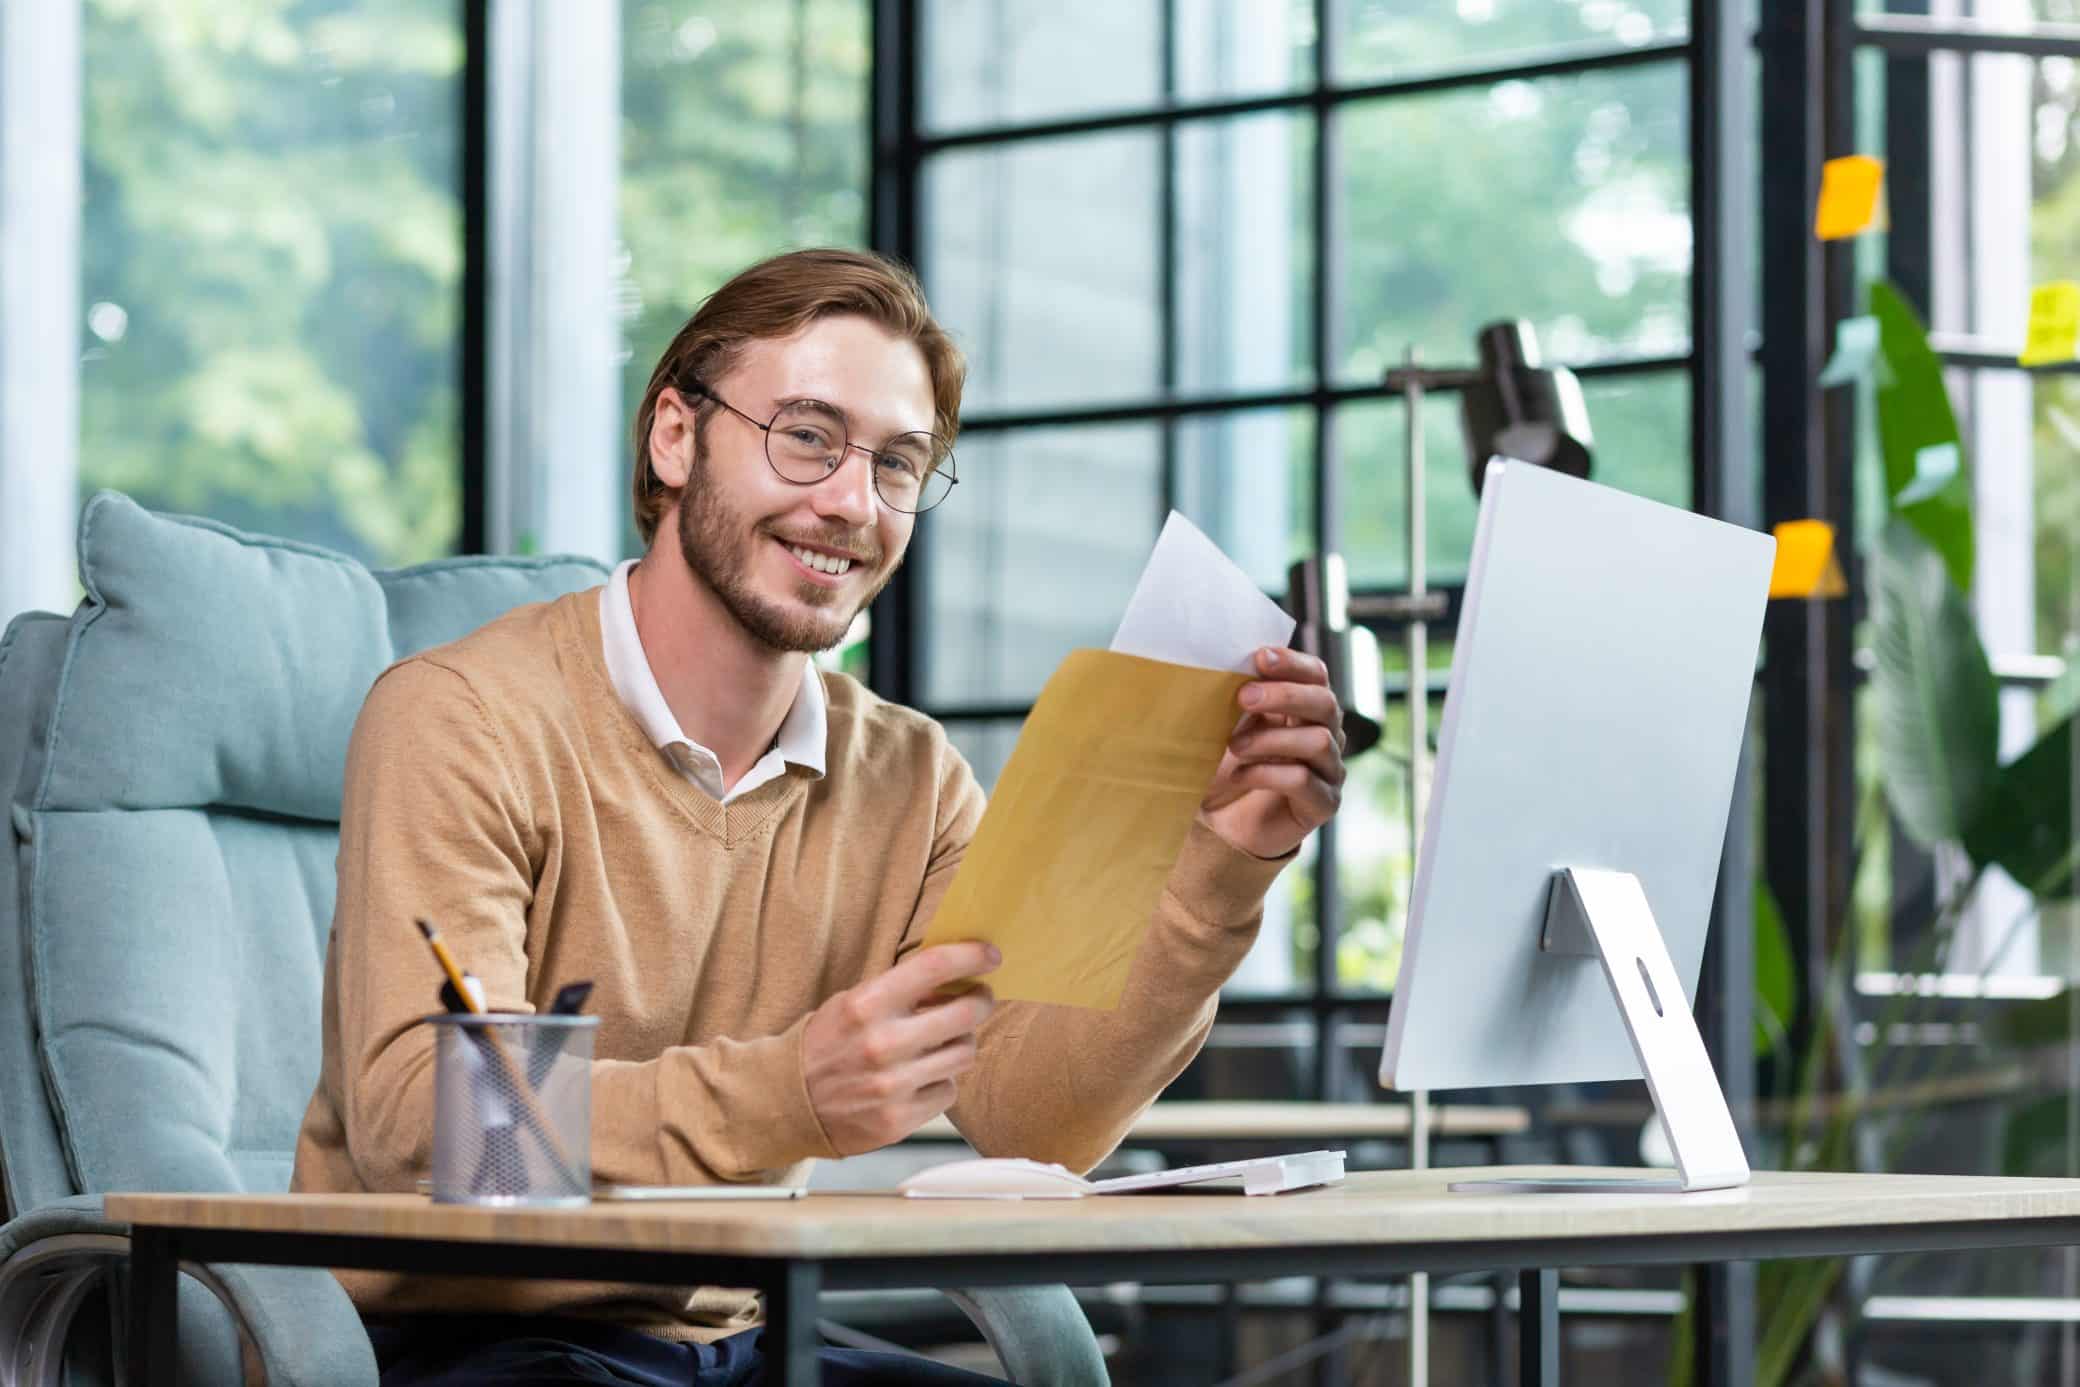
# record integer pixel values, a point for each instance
(1260, 1174)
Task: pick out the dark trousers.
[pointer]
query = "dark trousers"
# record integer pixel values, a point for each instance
(507, 1351)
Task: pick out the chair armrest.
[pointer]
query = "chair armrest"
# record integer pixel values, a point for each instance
(294, 1326)
(1039, 1333)
(52, 1260)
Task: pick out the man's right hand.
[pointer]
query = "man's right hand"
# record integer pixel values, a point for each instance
(882, 1058)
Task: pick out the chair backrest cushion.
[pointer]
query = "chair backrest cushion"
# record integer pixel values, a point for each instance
(32, 1160)
(177, 824)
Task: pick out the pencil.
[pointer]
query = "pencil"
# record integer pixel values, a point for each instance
(450, 967)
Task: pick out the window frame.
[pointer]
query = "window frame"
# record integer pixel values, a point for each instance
(902, 148)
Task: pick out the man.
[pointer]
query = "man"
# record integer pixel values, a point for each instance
(651, 785)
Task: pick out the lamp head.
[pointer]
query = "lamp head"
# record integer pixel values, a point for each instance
(1522, 408)
(1318, 595)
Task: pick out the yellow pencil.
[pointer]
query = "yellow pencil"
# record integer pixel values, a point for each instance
(450, 967)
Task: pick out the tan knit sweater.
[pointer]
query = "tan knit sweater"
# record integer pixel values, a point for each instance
(498, 787)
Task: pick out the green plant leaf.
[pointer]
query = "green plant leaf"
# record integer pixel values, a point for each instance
(2033, 1139)
(1682, 1335)
(2026, 823)
(1937, 706)
(1794, 1297)
(1914, 413)
(1776, 981)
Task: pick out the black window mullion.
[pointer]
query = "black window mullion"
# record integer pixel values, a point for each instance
(1320, 396)
(1902, 34)
(1910, 263)
(1979, 358)
(894, 654)
(475, 423)
(1598, 58)
(1909, 184)
(1724, 484)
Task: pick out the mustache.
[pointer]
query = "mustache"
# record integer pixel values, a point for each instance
(861, 546)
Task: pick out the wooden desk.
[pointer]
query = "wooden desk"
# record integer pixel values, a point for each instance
(1209, 1122)
(1377, 1223)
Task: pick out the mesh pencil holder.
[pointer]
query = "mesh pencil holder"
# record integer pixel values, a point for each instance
(512, 1109)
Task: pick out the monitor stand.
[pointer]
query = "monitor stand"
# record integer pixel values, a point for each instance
(1605, 915)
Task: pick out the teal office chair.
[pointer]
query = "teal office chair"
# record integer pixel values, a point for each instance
(170, 766)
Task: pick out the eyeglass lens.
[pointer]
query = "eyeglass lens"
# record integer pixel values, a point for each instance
(806, 443)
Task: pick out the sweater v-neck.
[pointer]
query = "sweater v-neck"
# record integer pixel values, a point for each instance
(738, 821)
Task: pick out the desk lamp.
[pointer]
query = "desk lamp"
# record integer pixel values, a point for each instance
(1511, 406)
(1518, 408)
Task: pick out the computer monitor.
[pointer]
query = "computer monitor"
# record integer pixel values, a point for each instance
(1599, 691)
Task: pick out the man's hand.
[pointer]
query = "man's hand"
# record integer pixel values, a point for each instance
(881, 1058)
(1282, 776)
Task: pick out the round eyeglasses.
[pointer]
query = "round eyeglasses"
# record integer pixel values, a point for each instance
(806, 442)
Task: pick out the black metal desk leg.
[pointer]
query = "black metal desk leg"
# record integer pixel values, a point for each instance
(1538, 1327)
(154, 1278)
(790, 1338)
(1227, 1348)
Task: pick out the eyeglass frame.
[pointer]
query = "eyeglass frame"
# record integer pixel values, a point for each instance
(702, 389)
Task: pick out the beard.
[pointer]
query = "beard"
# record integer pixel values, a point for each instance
(720, 546)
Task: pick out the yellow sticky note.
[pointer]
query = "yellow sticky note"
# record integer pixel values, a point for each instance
(1852, 197)
(2054, 323)
(1806, 564)
(1086, 822)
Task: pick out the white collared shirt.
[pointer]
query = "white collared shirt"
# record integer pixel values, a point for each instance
(803, 732)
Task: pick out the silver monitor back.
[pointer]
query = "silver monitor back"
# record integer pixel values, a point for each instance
(1599, 691)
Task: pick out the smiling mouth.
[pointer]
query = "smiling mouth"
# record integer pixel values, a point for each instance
(826, 565)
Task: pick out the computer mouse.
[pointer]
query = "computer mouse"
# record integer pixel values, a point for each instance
(995, 1177)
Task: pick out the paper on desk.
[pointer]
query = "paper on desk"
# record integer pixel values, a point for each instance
(1093, 807)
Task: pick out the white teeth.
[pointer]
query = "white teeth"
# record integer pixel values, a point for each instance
(822, 563)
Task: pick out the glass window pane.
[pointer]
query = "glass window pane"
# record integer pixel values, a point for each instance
(2003, 171)
(1041, 258)
(1004, 62)
(1035, 556)
(1374, 868)
(1281, 961)
(1642, 432)
(723, 162)
(1227, 48)
(2004, 185)
(1244, 260)
(1247, 479)
(1380, 39)
(271, 263)
(2054, 448)
(1578, 222)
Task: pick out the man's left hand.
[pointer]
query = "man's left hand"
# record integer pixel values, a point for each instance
(1282, 775)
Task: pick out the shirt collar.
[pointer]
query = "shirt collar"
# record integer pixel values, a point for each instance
(804, 732)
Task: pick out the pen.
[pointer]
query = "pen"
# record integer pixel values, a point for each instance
(570, 999)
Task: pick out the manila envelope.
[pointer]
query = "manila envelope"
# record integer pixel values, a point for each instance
(1086, 822)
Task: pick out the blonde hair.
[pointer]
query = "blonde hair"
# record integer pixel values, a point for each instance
(777, 298)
